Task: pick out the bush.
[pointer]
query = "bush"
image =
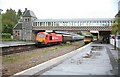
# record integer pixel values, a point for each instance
(6, 35)
(61, 44)
(68, 43)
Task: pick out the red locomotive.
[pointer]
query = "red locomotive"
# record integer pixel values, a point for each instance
(45, 38)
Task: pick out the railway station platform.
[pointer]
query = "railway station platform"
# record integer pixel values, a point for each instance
(91, 59)
(15, 47)
(14, 43)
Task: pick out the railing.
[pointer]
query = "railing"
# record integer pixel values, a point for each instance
(99, 28)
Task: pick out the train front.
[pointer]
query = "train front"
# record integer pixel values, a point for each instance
(40, 38)
(88, 39)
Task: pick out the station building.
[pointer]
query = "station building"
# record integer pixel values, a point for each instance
(23, 29)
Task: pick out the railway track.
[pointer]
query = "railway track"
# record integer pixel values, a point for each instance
(6, 50)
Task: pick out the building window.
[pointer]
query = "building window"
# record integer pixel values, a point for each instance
(18, 34)
(36, 23)
(28, 19)
(49, 23)
(40, 23)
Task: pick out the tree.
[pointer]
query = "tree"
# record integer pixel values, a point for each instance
(9, 19)
(116, 25)
(115, 28)
(19, 13)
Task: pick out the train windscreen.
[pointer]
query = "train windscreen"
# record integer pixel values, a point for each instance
(88, 36)
(40, 35)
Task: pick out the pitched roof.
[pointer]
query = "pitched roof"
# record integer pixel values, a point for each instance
(18, 26)
(79, 19)
(29, 13)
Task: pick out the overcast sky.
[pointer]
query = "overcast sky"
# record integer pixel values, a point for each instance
(63, 9)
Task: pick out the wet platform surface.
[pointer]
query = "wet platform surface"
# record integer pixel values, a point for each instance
(97, 64)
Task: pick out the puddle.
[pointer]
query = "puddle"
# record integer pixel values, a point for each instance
(96, 48)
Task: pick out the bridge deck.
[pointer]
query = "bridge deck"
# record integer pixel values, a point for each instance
(85, 28)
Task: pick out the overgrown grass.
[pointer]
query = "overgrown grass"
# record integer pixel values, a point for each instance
(66, 44)
(76, 43)
(13, 59)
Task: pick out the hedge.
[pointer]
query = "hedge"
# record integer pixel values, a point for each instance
(6, 35)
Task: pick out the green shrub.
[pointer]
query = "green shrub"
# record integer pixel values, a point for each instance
(68, 43)
(6, 35)
(61, 44)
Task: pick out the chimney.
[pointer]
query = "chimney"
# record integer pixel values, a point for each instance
(25, 9)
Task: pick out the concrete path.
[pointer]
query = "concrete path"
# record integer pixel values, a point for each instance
(97, 64)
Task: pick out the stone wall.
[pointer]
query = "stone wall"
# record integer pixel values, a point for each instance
(27, 28)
